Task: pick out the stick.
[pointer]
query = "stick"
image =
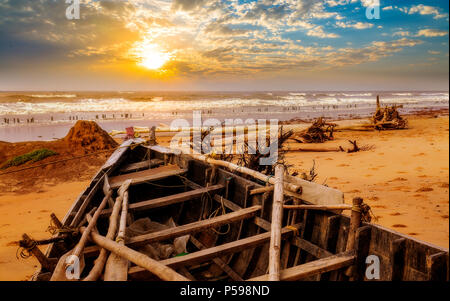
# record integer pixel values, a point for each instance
(97, 270)
(80, 246)
(153, 266)
(261, 190)
(277, 218)
(319, 207)
(117, 267)
(245, 170)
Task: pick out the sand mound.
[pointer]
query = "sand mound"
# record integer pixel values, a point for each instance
(88, 136)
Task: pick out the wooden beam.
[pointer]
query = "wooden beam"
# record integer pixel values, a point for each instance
(317, 194)
(318, 207)
(218, 251)
(147, 175)
(220, 263)
(397, 259)
(193, 227)
(170, 199)
(162, 271)
(311, 248)
(261, 190)
(277, 220)
(141, 165)
(314, 267)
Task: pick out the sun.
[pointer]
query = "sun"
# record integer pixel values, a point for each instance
(151, 57)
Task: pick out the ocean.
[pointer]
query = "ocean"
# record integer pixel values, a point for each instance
(26, 116)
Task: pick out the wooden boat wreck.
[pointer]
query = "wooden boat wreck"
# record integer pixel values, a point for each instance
(152, 213)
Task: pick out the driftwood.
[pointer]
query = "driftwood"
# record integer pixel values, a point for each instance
(277, 219)
(388, 117)
(319, 132)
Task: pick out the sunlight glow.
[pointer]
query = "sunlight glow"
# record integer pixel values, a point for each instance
(151, 57)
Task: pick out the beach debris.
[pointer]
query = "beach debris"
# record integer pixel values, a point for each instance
(388, 117)
(88, 136)
(33, 156)
(311, 176)
(319, 132)
(250, 157)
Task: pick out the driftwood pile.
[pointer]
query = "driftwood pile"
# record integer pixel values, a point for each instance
(319, 132)
(388, 118)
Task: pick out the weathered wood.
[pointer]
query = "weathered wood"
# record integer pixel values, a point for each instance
(220, 263)
(318, 207)
(141, 165)
(117, 155)
(311, 248)
(116, 268)
(355, 221)
(151, 265)
(241, 169)
(317, 194)
(362, 246)
(277, 219)
(170, 199)
(261, 190)
(218, 251)
(314, 267)
(397, 259)
(153, 174)
(84, 237)
(47, 263)
(437, 266)
(193, 227)
(100, 262)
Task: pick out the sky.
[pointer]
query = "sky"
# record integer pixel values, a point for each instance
(224, 45)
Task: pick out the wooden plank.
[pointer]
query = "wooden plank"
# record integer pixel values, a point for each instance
(362, 246)
(141, 165)
(397, 259)
(193, 227)
(218, 251)
(318, 207)
(317, 194)
(311, 248)
(437, 266)
(169, 200)
(314, 267)
(118, 153)
(147, 175)
(277, 220)
(219, 262)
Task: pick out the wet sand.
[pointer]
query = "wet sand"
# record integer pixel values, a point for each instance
(404, 178)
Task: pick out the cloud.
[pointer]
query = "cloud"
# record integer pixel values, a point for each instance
(431, 33)
(434, 52)
(426, 10)
(357, 25)
(318, 32)
(387, 8)
(401, 33)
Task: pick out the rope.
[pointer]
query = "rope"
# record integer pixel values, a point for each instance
(293, 229)
(214, 214)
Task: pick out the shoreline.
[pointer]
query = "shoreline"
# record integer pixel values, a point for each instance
(404, 178)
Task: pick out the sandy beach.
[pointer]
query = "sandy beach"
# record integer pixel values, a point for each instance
(403, 177)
